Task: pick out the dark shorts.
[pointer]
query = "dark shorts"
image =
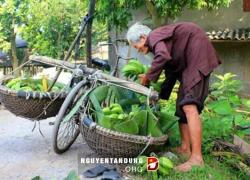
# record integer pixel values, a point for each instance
(196, 95)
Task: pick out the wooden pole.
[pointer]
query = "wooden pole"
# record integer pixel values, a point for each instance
(91, 11)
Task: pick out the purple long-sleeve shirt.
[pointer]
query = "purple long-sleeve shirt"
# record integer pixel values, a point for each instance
(183, 51)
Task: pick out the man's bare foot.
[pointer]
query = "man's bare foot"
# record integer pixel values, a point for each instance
(182, 151)
(187, 166)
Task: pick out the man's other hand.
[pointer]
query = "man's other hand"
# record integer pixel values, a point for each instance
(143, 79)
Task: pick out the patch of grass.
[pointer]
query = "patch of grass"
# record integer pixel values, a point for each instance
(213, 169)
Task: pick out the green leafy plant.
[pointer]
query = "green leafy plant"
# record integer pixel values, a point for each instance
(224, 109)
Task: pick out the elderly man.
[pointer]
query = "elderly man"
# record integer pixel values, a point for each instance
(184, 52)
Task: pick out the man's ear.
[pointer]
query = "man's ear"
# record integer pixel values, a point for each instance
(143, 37)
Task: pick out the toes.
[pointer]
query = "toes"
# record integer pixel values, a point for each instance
(184, 167)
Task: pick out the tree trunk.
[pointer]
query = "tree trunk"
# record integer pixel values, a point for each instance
(14, 60)
(157, 20)
(91, 10)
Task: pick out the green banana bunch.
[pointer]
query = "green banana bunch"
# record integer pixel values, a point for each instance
(28, 84)
(133, 69)
(165, 165)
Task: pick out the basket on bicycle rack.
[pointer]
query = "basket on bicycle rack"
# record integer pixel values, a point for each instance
(31, 104)
(109, 143)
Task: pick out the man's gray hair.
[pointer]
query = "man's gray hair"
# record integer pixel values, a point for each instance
(136, 31)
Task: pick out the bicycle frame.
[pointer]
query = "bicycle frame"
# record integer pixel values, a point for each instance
(96, 75)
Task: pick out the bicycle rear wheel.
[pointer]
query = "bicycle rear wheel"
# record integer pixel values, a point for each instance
(66, 128)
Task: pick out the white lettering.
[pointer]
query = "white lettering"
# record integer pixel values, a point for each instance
(82, 160)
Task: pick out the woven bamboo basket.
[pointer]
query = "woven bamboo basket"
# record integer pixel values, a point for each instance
(109, 143)
(31, 105)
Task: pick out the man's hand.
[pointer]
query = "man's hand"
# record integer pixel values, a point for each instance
(143, 80)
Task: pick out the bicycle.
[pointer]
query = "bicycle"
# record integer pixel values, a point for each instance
(84, 80)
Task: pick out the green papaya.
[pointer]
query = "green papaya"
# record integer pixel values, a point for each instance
(114, 105)
(132, 113)
(113, 116)
(121, 116)
(117, 110)
(106, 111)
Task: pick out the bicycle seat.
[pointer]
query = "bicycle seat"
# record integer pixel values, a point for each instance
(100, 63)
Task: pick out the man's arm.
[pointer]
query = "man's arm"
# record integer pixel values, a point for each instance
(161, 56)
(168, 85)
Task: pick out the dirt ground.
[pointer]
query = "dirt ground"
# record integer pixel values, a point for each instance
(25, 154)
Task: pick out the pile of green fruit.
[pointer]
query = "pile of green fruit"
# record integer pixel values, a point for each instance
(125, 111)
(30, 84)
(137, 122)
(134, 68)
(165, 166)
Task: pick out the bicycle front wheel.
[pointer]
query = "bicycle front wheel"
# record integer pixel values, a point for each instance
(66, 128)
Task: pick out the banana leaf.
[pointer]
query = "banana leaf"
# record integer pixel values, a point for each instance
(129, 126)
(97, 107)
(153, 125)
(141, 119)
(100, 93)
(105, 122)
(166, 121)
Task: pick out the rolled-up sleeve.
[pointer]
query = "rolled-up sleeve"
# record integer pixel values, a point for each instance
(161, 56)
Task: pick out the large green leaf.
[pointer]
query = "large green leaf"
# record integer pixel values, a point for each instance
(166, 120)
(129, 126)
(100, 93)
(221, 107)
(140, 118)
(153, 125)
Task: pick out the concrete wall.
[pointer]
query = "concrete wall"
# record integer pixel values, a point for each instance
(235, 56)
(232, 17)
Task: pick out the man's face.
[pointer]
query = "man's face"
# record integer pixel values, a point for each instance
(140, 46)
